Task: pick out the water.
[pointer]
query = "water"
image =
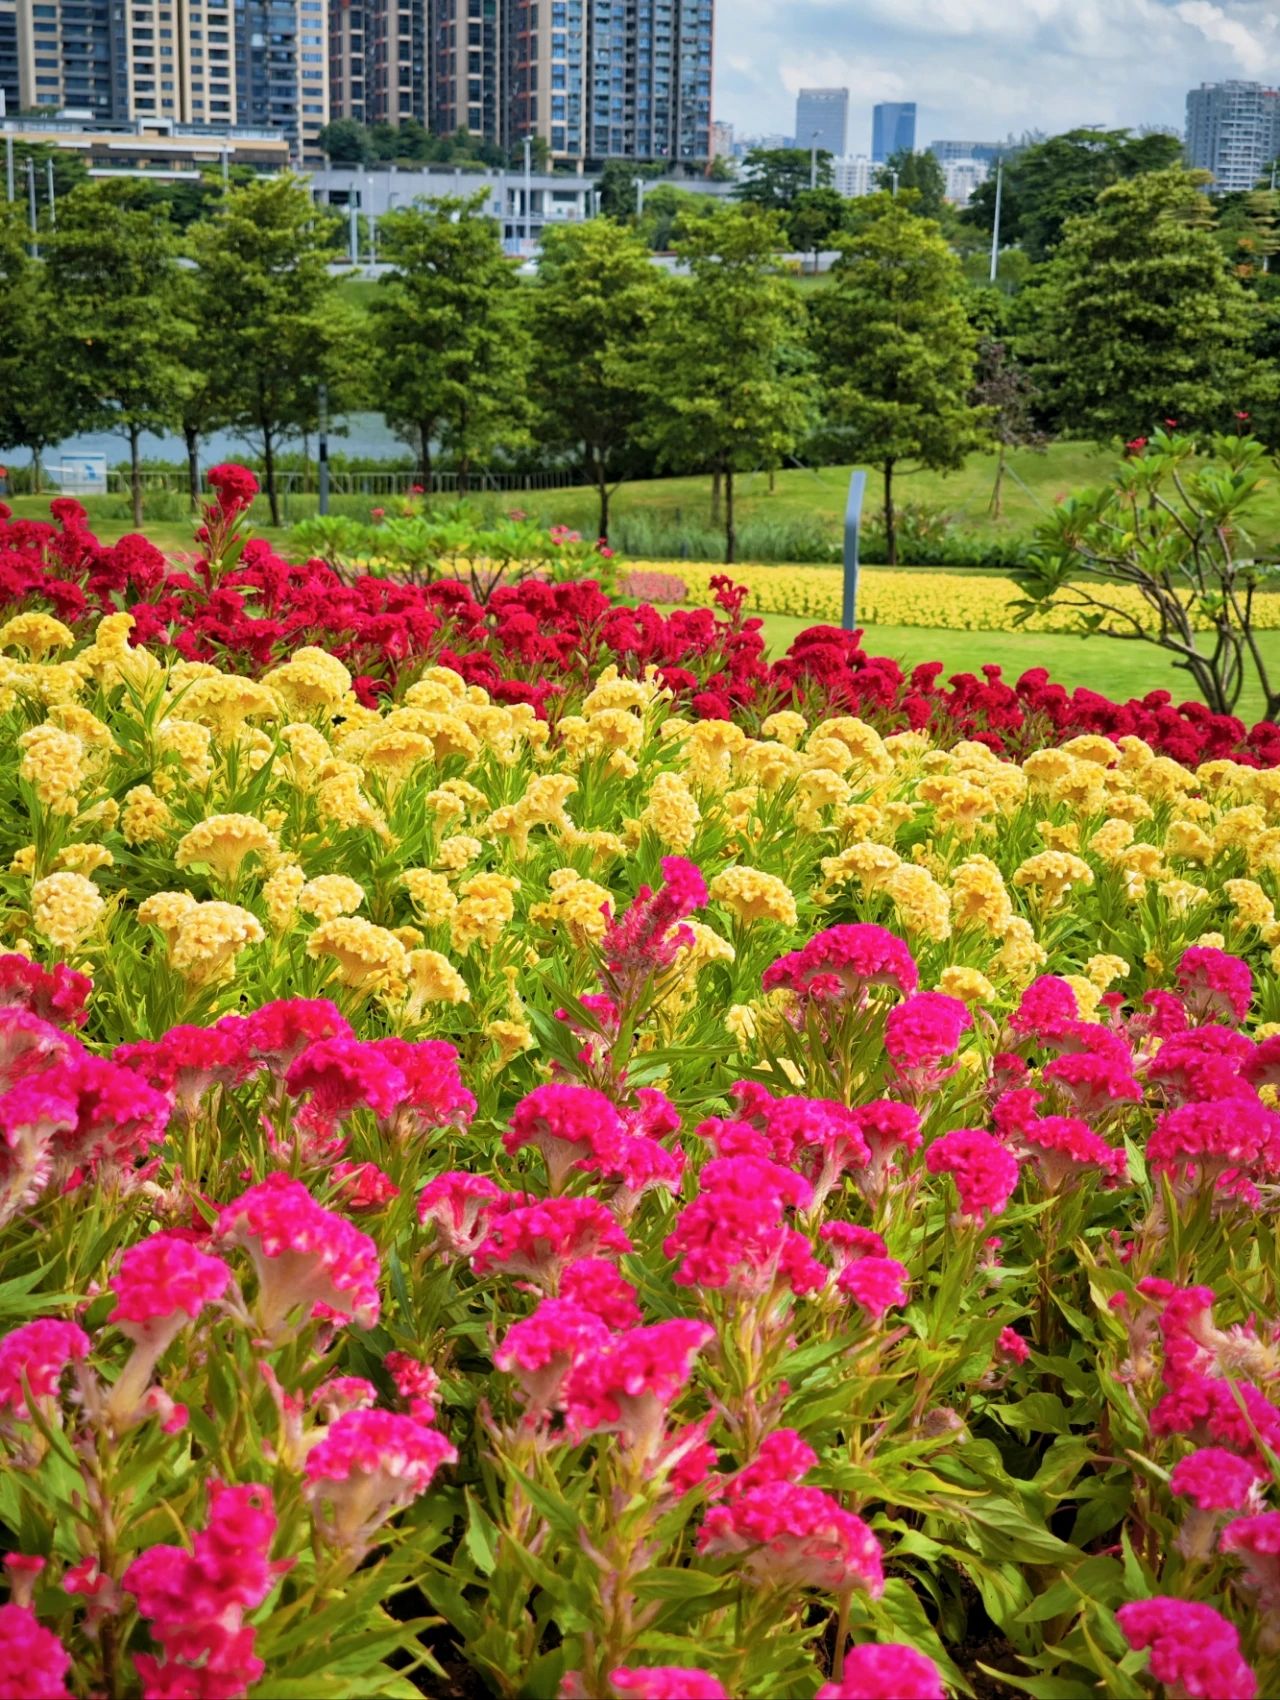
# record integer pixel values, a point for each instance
(367, 435)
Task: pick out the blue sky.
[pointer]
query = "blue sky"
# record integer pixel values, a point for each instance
(981, 68)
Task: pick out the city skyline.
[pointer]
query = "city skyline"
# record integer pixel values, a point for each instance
(978, 71)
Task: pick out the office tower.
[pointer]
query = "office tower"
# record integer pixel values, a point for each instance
(9, 96)
(71, 54)
(649, 79)
(944, 152)
(822, 120)
(546, 72)
(893, 127)
(282, 69)
(1233, 131)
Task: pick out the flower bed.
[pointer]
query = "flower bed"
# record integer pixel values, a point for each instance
(619, 1203)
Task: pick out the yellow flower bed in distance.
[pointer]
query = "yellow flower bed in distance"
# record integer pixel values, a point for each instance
(889, 596)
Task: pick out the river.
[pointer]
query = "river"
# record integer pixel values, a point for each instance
(367, 435)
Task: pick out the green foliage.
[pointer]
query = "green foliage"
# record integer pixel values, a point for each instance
(1138, 317)
(452, 347)
(773, 178)
(1061, 178)
(1172, 525)
(725, 371)
(268, 314)
(593, 308)
(36, 410)
(895, 348)
(346, 141)
(919, 172)
(816, 219)
(616, 189)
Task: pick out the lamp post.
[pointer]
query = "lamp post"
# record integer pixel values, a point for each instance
(528, 191)
(995, 224)
(53, 201)
(813, 158)
(639, 183)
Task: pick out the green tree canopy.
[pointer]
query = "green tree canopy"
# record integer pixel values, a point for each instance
(452, 347)
(725, 372)
(594, 307)
(112, 277)
(773, 178)
(918, 171)
(36, 409)
(896, 348)
(1051, 181)
(346, 142)
(1139, 317)
(616, 190)
(269, 314)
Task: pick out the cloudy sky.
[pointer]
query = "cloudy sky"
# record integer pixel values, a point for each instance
(979, 69)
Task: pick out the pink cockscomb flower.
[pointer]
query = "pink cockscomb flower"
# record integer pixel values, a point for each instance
(1214, 985)
(234, 487)
(1012, 1347)
(847, 1241)
(667, 1682)
(875, 1284)
(338, 1076)
(366, 1466)
(1062, 1149)
(735, 1235)
(58, 994)
(1207, 1062)
(922, 1032)
(569, 1125)
(457, 1203)
(1255, 1541)
(33, 1662)
(416, 1383)
(885, 1671)
(627, 1387)
(162, 1284)
(1194, 1650)
(887, 1126)
(1216, 1480)
(602, 1288)
(1090, 1083)
(278, 1032)
(844, 963)
(542, 1349)
(984, 1171)
(363, 1186)
(118, 1116)
(819, 1137)
(436, 1096)
(1046, 1009)
(187, 1062)
(33, 1116)
(795, 1536)
(303, 1254)
(539, 1240)
(646, 938)
(1199, 1143)
(784, 1456)
(37, 1353)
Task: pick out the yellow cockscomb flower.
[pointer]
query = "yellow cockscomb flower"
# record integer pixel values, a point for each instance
(145, 818)
(364, 956)
(672, 812)
(223, 843)
(330, 895)
(53, 765)
(208, 939)
(752, 896)
(310, 682)
(65, 909)
(431, 895)
(486, 907)
(38, 635)
(432, 978)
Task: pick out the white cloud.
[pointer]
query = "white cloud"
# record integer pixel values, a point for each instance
(1253, 54)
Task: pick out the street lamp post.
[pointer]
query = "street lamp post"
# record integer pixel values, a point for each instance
(813, 158)
(995, 224)
(639, 183)
(528, 191)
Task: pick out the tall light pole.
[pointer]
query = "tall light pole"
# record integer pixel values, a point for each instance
(995, 224)
(53, 202)
(528, 191)
(639, 183)
(8, 169)
(813, 159)
(31, 204)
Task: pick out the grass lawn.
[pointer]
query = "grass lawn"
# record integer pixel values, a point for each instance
(1115, 669)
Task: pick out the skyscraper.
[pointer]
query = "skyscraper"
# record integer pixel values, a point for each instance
(346, 59)
(1233, 130)
(72, 53)
(893, 126)
(282, 69)
(822, 120)
(9, 56)
(546, 74)
(649, 79)
(467, 66)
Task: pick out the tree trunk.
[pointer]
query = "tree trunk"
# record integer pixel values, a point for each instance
(773, 480)
(602, 486)
(192, 437)
(994, 507)
(424, 453)
(715, 497)
(890, 518)
(730, 520)
(269, 472)
(135, 471)
(464, 477)
(37, 471)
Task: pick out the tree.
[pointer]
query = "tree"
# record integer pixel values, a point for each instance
(452, 350)
(1247, 231)
(772, 178)
(896, 348)
(817, 216)
(36, 410)
(594, 306)
(345, 141)
(669, 211)
(113, 285)
(269, 314)
(1007, 393)
(907, 169)
(1052, 181)
(725, 371)
(616, 189)
(1138, 317)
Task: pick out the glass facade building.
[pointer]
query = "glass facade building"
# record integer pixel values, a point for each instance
(893, 126)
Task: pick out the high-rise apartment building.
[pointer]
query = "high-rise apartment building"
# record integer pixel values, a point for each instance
(945, 152)
(893, 127)
(1233, 131)
(178, 60)
(9, 56)
(546, 74)
(71, 54)
(822, 120)
(282, 69)
(649, 79)
(468, 66)
(346, 59)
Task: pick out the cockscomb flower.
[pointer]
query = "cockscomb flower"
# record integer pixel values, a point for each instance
(339, 1076)
(342, 1393)
(1062, 1148)
(628, 1385)
(163, 1283)
(233, 486)
(187, 1062)
(1255, 1541)
(1214, 985)
(885, 1671)
(1046, 1009)
(1199, 1142)
(602, 1288)
(303, 1255)
(924, 1029)
(647, 938)
(363, 1186)
(1011, 1345)
(457, 1203)
(1206, 1062)
(33, 1662)
(848, 1240)
(416, 1383)
(844, 962)
(819, 1137)
(984, 1171)
(740, 1241)
(29, 1044)
(875, 1284)
(33, 1115)
(540, 1240)
(885, 1125)
(542, 1349)
(667, 1682)
(1194, 1650)
(37, 1353)
(1216, 1480)
(278, 1032)
(795, 1536)
(58, 994)
(436, 1096)
(118, 1116)
(569, 1125)
(1091, 1084)
(1204, 1407)
(367, 1465)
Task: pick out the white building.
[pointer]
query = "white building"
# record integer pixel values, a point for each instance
(962, 178)
(853, 176)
